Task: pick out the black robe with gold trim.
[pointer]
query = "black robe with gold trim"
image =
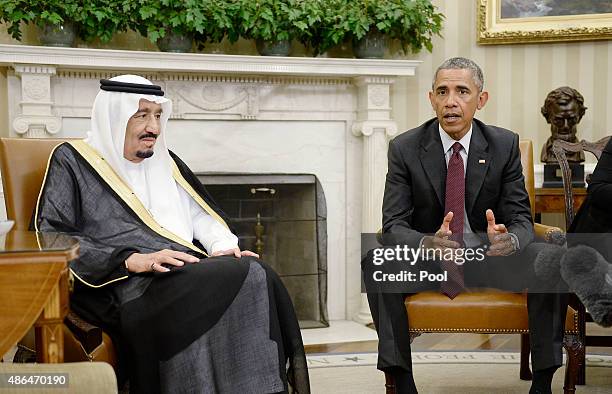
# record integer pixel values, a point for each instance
(203, 327)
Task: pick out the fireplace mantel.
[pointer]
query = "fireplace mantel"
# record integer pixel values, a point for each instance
(106, 59)
(241, 114)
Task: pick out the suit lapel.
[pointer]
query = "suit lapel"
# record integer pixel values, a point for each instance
(477, 165)
(432, 160)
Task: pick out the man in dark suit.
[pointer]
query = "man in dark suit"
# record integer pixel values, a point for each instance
(456, 183)
(595, 215)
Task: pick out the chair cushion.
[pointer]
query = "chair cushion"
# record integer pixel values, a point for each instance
(483, 311)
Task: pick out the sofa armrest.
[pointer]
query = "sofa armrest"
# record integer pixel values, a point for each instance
(549, 234)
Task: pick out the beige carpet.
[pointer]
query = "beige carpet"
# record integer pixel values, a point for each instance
(445, 372)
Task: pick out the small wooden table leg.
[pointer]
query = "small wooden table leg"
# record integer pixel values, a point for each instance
(49, 326)
(49, 342)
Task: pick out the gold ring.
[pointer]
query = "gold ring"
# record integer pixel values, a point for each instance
(152, 264)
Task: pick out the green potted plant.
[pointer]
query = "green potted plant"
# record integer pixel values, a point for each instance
(321, 24)
(170, 24)
(370, 22)
(218, 21)
(60, 22)
(54, 18)
(271, 23)
(101, 19)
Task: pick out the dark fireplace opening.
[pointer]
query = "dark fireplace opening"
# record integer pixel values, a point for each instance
(284, 219)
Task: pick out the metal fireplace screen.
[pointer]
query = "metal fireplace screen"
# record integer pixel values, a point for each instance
(284, 219)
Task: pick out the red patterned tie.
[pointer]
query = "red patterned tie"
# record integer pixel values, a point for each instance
(455, 202)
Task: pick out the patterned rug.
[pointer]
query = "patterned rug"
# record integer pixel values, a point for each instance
(445, 372)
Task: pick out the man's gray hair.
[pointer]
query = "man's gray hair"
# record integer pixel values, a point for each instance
(461, 63)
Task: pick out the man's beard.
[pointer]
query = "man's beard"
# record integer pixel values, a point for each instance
(144, 154)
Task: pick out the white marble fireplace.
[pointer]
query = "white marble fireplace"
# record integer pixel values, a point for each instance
(242, 114)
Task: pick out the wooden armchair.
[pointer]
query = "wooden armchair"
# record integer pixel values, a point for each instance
(492, 311)
(559, 149)
(23, 163)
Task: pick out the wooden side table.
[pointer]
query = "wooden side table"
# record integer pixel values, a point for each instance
(552, 200)
(34, 290)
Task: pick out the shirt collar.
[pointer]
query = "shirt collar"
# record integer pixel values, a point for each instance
(447, 141)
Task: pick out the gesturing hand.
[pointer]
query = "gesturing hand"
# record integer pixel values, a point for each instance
(500, 239)
(236, 252)
(147, 262)
(440, 239)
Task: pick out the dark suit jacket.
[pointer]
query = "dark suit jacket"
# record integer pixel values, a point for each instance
(592, 225)
(413, 204)
(595, 214)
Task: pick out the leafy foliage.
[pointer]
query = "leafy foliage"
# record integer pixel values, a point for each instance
(270, 20)
(322, 24)
(220, 18)
(412, 22)
(156, 18)
(208, 20)
(319, 24)
(55, 12)
(92, 19)
(103, 18)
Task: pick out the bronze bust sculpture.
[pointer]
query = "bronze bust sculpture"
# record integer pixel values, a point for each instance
(563, 110)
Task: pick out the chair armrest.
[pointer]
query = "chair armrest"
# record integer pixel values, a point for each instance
(549, 234)
(87, 334)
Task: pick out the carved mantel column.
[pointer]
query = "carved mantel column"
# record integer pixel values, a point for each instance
(36, 118)
(375, 125)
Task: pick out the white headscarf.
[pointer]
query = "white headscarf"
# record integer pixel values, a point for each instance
(151, 179)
